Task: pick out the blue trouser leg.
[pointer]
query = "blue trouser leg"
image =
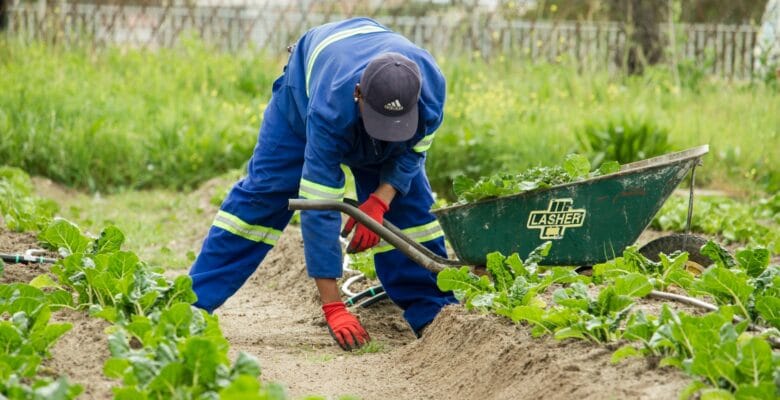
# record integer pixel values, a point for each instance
(410, 286)
(253, 215)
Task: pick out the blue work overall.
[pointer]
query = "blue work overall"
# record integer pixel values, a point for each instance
(311, 127)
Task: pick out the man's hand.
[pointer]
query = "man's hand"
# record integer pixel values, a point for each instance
(365, 238)
(344, 327)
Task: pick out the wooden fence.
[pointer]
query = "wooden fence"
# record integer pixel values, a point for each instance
(725, 50)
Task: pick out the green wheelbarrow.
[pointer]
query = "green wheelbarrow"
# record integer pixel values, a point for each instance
(589, 221)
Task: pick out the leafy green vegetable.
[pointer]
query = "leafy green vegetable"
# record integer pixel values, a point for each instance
(669, 271)
(364, 262)
(575, 167)
(64, 236)
(25, 338)
(161, 346)
(731, 363)
(514, 282)
(113, 283)
(755, 222)
(20, 209)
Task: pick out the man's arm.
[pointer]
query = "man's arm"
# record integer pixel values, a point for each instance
(386, 192)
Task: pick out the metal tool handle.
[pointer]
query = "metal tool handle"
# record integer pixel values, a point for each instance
(398, 232)
(390, 233)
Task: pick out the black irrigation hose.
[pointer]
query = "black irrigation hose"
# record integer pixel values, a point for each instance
(379, 297)
(370, 292)
(26, 259)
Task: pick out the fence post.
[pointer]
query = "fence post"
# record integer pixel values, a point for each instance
(4, 10)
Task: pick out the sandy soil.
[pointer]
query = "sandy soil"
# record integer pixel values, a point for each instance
(463, 354)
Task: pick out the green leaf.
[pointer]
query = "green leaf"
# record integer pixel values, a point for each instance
(609, 302)
(201, 357)
(108, 313)
(612, 269)
(624, 352)
(245, 364)
(44, 281)
(718, 254)
(110, 240)
(768, 307)
(139, 326)
(244, 387)
(483, 300)
(117, 344)
(633, 285)
(753, 261)
(57, 390)
(10, 338)
(756, 361)
(171, 377)
(462, 184)
(716, 394)
(179, 316)
(128, 393)
(59, 297)
(727, 286)
(609, 167)
(116, 367)
(532, 314)
(691, 389)
(63, 234)
(763, 391)
(538, 254)
(516, 264)
(452, 279)
(44, 338)
(576, 165)
(501, 275)
(569, 332)
(575, 297)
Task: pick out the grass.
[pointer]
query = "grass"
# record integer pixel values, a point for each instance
(374, 346)
(129, 119)
(164, 227)
(509, 117)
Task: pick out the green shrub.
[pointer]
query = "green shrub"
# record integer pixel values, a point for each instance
(625, 140)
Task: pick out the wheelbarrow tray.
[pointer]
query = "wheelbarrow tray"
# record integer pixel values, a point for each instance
(588, 221)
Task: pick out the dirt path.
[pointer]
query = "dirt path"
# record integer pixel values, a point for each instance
(463, 355)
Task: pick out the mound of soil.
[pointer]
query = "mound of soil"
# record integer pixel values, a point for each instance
(474, 356)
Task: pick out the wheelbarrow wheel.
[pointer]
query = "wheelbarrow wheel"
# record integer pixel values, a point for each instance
(691, 244)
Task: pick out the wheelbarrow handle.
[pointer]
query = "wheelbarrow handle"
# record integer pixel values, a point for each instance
(422, 249)
(390, 233)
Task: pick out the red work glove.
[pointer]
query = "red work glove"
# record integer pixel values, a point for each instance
(365, 238)
(344, 327)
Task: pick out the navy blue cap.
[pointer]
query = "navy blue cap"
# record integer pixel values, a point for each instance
(390, 86)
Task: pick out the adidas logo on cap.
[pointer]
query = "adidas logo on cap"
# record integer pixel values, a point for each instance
(394, 105)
